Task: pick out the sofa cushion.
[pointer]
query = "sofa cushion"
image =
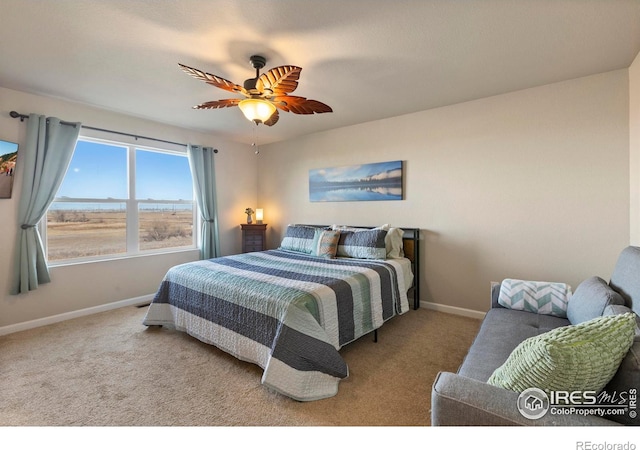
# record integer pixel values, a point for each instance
(628, 375)
(612, 310)
(500, 333)
(590, 299)
(625, 279)
(572, 358)
(540, 297)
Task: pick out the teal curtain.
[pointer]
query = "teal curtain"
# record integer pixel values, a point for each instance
(44, 162)
(202, 164)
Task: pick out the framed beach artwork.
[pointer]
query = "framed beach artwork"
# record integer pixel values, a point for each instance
(8, 158)
(363, 182)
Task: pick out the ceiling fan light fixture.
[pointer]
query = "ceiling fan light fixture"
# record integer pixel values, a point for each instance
(257, 110)
(265, 94)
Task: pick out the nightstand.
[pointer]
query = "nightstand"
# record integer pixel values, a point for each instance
(254, 237)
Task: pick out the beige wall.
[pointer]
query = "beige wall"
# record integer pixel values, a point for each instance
(94, 286)
(634, 148)
(533, 184)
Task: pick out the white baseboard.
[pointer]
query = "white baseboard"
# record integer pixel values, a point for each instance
(74, 314)
(454, 310)
(147, 299)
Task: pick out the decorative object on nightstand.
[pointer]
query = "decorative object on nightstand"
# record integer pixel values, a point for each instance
(248, 212)
(254, 237)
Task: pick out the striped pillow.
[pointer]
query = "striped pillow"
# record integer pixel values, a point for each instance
(325, 243)
(298, 238)
(366, 244)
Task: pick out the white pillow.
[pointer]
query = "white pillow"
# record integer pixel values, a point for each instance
(394, 244)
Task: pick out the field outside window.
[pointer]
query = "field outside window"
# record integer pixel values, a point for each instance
(119, 200)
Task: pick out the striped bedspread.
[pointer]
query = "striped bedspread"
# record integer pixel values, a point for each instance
(287, 312)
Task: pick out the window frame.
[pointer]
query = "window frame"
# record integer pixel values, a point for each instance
(132, 208)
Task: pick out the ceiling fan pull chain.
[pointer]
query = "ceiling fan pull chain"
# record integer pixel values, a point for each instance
(254, 144)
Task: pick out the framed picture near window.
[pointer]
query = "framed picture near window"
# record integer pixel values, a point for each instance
(8, 158)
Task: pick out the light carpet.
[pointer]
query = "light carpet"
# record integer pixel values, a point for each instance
(108, 369)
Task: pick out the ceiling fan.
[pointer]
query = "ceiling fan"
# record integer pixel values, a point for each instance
(265, 93)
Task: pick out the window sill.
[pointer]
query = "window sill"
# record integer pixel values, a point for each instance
(111, 258)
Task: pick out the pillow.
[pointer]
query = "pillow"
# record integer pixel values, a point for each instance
(325, 243)
(590, 299)
(366, 244)
(350, 228)
(612, 310)
(298, 238)
(393, 243)
(347, 228)
(580, 357)
(541, 297)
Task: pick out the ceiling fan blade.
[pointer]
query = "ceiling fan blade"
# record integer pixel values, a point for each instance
(300, 105)
(279, 80)
(213, 80)
(271, 121)
(216, 104)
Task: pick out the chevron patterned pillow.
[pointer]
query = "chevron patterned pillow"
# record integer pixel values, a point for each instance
(541, 297)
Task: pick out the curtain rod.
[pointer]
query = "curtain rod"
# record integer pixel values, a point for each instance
(22, 117)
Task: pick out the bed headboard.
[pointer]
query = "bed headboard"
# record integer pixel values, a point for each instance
(411, 247)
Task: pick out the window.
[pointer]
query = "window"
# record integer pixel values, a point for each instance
(118, 200)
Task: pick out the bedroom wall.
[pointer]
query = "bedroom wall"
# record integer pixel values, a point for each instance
(634, 148)
(532, 184)
(100, 285)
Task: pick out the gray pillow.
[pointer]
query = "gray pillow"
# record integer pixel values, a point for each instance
(366, 244)
(612, 310)
(298, 238)
(590, 299)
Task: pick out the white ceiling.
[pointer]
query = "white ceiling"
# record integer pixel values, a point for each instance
(367, 59)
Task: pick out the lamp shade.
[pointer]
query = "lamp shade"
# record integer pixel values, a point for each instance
(257, 110)
(259, 215)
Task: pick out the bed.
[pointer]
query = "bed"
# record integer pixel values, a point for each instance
(290, 310)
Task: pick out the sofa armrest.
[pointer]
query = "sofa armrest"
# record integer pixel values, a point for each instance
(462, 401)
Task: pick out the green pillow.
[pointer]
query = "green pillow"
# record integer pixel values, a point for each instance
(580, 357)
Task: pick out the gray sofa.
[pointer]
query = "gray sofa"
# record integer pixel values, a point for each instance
(464, 398)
